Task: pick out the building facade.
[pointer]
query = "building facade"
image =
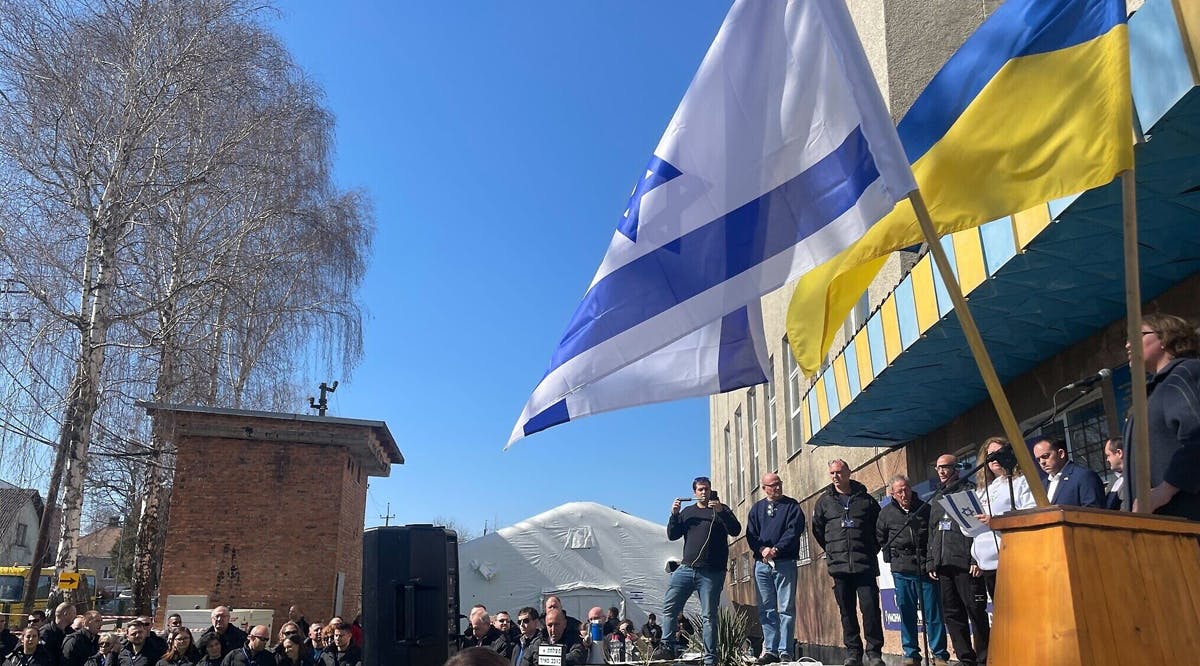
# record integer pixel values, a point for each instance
(267, 508)
(900, 386)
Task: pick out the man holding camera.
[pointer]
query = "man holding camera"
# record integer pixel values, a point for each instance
(705, 528)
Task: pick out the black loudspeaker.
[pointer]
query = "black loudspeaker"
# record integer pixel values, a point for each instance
(410, 595)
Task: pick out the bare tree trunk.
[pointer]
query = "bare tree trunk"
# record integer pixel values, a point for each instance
(87, 396)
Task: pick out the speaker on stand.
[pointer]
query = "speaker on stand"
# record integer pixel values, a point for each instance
(410, 595)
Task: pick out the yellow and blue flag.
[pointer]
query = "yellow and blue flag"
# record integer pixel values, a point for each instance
(1035, 106)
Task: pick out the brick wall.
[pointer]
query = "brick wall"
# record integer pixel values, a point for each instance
(263, 524)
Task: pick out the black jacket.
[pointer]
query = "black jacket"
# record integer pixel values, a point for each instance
(904, 543)
(948, 546)
(783, 530)
(494, 640)
(8, 642)
(706, 535)
(105, 660)
(40, 657)
(351, 657)
(232, 639)
(52, 639)
(574, 654)
(78, 646)
(149, 656)
(244, 657)
(847, 531)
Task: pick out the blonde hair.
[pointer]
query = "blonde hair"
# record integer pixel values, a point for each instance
(988, 475)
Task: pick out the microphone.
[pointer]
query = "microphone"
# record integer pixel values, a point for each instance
(685, 499)
(1104, 373)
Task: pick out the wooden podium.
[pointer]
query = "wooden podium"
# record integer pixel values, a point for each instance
(1089, 587)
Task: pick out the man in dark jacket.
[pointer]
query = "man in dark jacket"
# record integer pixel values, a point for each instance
(530, 626)
(1068, 482)
(138, 652)
(705, 528)
(55, 632)
(230, 636)
(773, 532)
(254, 652)
(483, 634)
(844, 526)
(8, 640)
(84, 642)
(556, 643)
(903, 534)
(949, 562)
(342, 652)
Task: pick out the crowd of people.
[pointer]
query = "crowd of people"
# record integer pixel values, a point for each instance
(68, 639)
(571, 641)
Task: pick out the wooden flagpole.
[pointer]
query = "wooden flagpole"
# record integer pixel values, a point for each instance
(1133, 323)
(1004, 410)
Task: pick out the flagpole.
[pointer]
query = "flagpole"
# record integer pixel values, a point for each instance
(1133, 324)
(1003, 409)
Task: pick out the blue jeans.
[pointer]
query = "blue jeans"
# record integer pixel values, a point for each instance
(686, 580)
(776, 604)
(908, 586)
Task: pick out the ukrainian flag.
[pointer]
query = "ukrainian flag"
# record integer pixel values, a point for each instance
(1035, 106)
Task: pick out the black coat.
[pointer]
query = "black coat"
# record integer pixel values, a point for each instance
(40, 657)
(351, 657)
(108, 660)
(948, 546)
(232, 639)
(847, 531)
(904, 542)
(78, 647)
(244, 657)
(52, 639)
(574, 653)
(494, 640)
(149, 656)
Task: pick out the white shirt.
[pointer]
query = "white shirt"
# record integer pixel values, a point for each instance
(1053, 480)
(985, 548)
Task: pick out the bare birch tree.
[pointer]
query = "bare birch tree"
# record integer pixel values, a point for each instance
(169, 200)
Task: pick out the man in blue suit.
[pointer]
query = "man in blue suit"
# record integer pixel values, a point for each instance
(1068, 483)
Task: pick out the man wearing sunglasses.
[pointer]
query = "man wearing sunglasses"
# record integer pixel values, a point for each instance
(529, 624)
(254, 652)
(773, 532)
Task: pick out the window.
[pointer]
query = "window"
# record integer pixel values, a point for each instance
(795, 413)
(728, 466)
(739, 440)
(747, 566)
(857, 317)
(22, 533)
(107, 572)
(805, 555)
(752, 408)
(772, 424)
(1085, 429)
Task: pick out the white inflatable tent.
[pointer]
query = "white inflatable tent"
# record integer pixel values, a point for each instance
(586, 553)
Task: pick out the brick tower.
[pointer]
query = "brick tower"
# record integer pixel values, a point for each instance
(267, 508)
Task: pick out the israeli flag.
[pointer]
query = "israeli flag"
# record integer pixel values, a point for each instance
(780, 155)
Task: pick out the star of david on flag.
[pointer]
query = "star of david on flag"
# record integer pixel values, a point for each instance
(780, 155)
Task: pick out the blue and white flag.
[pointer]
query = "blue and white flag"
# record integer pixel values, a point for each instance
(780, 155)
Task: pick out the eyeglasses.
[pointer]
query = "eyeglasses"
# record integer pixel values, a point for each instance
(777, 484)
(182, 639)
(526, 620)
(770, 509)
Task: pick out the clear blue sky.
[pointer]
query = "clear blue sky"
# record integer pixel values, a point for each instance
(499, 142)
